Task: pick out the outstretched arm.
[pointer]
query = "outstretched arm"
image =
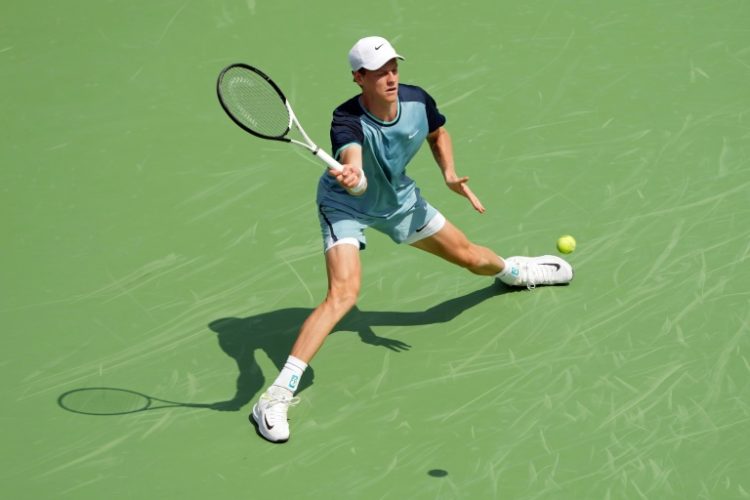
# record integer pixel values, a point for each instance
(442, 150)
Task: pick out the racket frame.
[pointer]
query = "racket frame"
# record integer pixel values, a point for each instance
(293, 122)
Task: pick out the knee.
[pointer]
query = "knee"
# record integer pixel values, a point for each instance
(343, 296)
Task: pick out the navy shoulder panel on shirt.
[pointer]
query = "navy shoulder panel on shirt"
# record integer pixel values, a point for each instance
(346, 127)
(408, 92)
(350, 107)
(412, 93)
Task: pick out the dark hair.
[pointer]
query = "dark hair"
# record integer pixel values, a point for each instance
(361, 71)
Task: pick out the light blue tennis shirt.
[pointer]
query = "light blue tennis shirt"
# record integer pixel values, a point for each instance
(387, 147)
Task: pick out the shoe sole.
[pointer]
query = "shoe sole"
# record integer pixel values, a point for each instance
(255, 420)
(522, 287)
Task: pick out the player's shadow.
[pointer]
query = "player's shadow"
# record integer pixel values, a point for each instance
(274, 333)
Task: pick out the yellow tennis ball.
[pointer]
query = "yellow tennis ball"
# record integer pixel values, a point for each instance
(566, 244)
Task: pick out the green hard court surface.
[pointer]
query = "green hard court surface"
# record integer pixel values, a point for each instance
(153, 249)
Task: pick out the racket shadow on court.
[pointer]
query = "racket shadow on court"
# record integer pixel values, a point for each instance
(274, 333)
(111, 401)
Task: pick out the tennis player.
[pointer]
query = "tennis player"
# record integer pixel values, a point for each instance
(374, 135)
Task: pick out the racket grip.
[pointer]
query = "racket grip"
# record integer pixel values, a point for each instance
(331, 162)
(328, 160)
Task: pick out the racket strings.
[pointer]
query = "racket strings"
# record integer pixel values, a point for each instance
(254, 102)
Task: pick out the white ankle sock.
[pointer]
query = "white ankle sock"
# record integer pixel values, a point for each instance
(505, 270)
(291, 374)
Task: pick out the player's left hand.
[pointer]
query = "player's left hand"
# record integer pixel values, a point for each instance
(459, 186)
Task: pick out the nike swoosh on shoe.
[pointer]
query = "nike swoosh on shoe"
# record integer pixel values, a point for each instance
(553, 264)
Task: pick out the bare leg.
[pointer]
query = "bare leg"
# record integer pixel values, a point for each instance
(344, 276)
(452, 245)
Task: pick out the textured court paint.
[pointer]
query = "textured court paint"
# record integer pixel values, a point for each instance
(152, 246)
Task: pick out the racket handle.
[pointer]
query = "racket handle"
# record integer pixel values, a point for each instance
(331, 162)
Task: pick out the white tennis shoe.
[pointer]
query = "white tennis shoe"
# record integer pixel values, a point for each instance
(270, 413)
(533, 271)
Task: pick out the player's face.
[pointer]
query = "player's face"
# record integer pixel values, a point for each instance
(382, 83)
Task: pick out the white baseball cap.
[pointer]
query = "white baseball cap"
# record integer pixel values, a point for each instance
(371, 53)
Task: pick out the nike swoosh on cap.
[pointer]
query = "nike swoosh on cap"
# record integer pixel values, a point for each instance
(377, 47)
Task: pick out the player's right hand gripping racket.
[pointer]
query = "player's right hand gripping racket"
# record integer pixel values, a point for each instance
(255, 103)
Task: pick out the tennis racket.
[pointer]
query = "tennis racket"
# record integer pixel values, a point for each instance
(255, 103)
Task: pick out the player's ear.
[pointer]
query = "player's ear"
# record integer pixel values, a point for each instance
(358, 76)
